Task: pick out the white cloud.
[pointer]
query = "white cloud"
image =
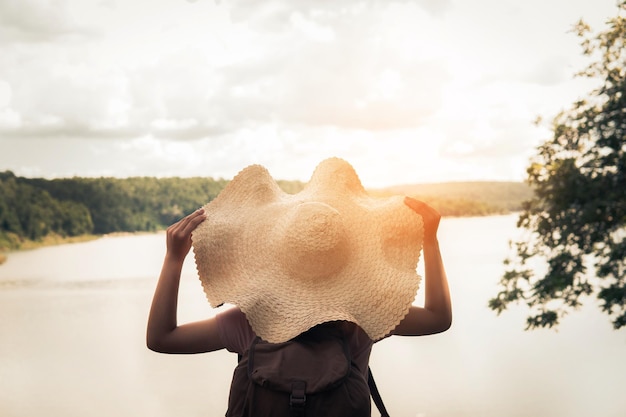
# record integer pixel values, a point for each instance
(329, 71)
(37, 21)
(286, 84)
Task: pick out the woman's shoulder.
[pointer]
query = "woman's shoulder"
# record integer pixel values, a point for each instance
(235, 330)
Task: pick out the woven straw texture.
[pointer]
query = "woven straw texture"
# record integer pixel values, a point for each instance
(329, 252)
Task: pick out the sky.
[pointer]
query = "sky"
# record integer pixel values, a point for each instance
(406, 91)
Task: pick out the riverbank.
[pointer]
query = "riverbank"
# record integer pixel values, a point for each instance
(49, 240)
(20, 244)
(12, 243)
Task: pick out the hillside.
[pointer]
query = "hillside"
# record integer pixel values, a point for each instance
(466, 198)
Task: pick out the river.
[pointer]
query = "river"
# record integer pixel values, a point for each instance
(72, 327)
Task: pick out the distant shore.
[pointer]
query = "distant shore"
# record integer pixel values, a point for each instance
(53, 240)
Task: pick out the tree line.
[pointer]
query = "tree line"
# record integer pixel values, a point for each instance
(33, 208)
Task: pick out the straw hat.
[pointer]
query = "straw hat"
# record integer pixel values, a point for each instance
(292, 261)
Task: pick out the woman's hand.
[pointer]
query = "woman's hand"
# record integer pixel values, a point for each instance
(179, 234)
(430, 216)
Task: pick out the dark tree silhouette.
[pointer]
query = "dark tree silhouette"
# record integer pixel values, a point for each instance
(577, 217)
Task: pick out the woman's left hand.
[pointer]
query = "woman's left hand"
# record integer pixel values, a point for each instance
(179, 234)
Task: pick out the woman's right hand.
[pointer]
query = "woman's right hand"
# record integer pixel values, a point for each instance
(430, 216)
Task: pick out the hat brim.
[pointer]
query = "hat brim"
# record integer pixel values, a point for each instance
(268, 252)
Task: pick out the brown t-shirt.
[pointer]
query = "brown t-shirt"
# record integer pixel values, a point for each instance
(237, 335)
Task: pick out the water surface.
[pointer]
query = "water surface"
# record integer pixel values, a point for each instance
(72, 326)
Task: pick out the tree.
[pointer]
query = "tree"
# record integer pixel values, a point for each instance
(576, 219)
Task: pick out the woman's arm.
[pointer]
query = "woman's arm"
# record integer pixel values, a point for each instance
(436, 315)
(164, 334)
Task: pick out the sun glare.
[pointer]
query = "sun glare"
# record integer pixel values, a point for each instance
(388, 84)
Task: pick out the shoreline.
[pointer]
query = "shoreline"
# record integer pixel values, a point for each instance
(55, 240)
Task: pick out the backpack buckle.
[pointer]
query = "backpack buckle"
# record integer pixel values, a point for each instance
(297, 399)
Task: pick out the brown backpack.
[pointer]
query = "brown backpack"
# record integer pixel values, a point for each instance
(311, 375)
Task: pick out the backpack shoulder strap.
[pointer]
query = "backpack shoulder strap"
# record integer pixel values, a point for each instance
(375, 394)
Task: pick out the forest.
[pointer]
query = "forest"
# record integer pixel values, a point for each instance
(32, 209)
